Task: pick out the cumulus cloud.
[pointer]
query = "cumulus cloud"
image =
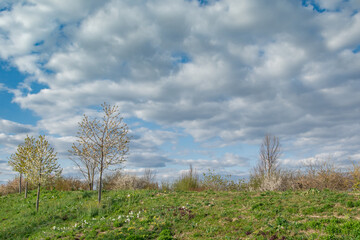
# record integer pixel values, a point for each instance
(12, 134)
(230, 70)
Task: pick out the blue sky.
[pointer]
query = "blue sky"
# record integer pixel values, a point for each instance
(198, 82)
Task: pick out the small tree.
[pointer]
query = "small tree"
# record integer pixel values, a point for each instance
(20, 160)
(104, 140)
(42, 165)
(266, 175)
(84, 160)
(269, 155)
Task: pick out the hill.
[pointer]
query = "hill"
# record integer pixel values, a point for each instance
(145, 214)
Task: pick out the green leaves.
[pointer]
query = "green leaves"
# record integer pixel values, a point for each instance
(35, 159)
(43, 161)
(21, 159)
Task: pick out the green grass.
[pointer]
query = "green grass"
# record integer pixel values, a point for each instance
(146, 214)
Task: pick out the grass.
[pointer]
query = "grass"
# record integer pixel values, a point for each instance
(146, 214)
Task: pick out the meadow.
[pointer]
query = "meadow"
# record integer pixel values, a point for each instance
(160, 214)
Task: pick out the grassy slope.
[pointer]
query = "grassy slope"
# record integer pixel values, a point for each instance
(182, 215)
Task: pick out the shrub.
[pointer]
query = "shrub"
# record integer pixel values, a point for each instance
(123, 181)
(354, 176)
(273, 182)
(68, 184)
(166, 185)
(12, 186)
(280, 180)
(188, 181)
(323, 175)
(216, 182)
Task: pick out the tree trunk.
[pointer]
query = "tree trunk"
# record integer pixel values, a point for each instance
(92, 180)
(100, 184)
(26, 188)
(37, 198)
(20, 182)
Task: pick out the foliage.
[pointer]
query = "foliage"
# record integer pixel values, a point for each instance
(43, 162)
(188, 181)
(12, 186)
(119, 180)
(20, 160)
(355, 176)
(62, 183)
(213, 181)
(324, 175)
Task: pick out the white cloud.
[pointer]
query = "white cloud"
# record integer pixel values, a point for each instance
(231, 71)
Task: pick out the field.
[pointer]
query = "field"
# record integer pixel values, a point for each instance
(145, 214)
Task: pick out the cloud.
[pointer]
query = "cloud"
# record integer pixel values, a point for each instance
(147, 160)
(229, 71)
(12, 134)
(228, 160)
(10, 127)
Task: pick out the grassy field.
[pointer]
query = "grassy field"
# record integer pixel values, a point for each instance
(145, 214)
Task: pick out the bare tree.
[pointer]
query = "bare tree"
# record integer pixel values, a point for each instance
(84, 160)
(42, 164)
(269, 154)
(104, 140)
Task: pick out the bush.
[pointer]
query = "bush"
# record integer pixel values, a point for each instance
(123, 181)
(188, 181)
(68, 184)
(166, 185)
(323, 175)
(280, 180)
(354, 177)
(12, 186)
(216, 182)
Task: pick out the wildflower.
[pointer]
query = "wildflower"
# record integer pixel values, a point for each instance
(54, 227)
(128, 195)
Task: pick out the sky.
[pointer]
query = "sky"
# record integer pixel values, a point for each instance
(197, 81)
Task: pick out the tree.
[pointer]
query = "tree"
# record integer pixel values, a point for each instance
(269, 154)
(104, 141)
(20, 160)
(85, 161)
(42, 165)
